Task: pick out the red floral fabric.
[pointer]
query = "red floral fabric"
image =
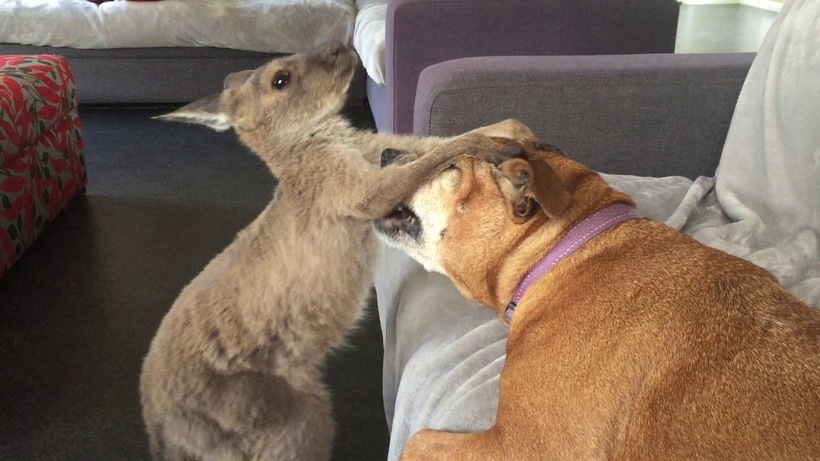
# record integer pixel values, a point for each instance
(41, 149)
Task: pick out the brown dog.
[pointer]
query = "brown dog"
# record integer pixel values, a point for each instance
(641, 344)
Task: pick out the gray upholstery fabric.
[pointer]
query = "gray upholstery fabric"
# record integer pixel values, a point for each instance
(154, 75)
(147, 75)
(424, 32)
(376, 95)
(647, 115)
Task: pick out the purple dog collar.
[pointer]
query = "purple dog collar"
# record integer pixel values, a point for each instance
(580, 234)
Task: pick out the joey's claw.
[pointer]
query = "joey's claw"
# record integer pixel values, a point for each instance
(500, 151)
(510, 129)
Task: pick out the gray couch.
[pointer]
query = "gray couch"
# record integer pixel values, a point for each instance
(646, 115)
(420, 33)
(154, 75)
(147, 75)
(168, 52)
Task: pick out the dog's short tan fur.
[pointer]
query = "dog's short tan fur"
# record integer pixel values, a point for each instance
(642, 345)
(234, 370)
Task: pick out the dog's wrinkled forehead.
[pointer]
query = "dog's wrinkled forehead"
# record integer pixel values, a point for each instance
(444, 195)
(450, 179)
(448, 212)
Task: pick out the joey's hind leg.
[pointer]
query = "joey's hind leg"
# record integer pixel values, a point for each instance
(227, 421)
(247, 400)
(432, 445)
(188, 436)
(307, 435)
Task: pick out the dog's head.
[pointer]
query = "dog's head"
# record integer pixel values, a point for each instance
(288, 92)
(482, 225)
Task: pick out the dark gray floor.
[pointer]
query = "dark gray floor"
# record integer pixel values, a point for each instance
(79, 309)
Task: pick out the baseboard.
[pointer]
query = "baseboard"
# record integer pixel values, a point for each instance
(710, 2)
(763, 4)
(770, 5)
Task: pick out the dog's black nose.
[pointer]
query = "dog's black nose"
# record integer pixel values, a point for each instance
(390, 155)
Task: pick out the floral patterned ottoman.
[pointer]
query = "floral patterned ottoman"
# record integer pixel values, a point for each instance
(41, 150)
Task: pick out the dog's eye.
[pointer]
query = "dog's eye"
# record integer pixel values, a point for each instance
(281, 80)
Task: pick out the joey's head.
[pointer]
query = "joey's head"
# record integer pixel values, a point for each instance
(288, 93)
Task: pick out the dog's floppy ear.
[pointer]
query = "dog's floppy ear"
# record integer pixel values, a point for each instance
(217, 111)
(530, 185)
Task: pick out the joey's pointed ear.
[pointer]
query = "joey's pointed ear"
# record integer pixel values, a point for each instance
(530, 185)
(236, 79)
(206, 111)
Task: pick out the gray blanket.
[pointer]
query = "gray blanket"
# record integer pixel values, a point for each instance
(443, 353)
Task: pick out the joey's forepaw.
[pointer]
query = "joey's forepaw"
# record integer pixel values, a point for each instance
(499, 150)
(510, 129)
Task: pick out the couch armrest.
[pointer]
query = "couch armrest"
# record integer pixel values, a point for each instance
(647, 115)
(424, 32)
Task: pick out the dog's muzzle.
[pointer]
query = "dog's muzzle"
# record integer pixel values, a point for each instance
(401, 222)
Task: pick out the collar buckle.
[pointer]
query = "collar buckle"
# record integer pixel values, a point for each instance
(509, 311)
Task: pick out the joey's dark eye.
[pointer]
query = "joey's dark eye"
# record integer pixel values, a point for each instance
(281, 80)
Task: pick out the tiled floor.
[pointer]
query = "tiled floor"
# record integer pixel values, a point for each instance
(721, 28)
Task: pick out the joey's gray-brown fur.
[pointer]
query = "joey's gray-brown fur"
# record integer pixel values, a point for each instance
(234, 370)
